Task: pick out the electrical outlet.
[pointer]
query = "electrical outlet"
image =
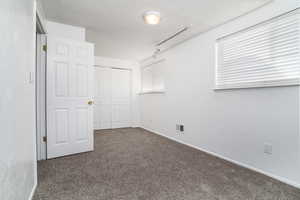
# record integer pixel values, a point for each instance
(268, 148)
(181, 128)
(177, 127)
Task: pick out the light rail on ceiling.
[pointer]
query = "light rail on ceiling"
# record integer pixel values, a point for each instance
(172, 36)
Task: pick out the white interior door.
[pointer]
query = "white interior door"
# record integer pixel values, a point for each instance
(103, 87)
(112, 99)
(70, 75)
(121, 111)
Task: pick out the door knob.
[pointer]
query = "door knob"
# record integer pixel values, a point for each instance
(90, 103)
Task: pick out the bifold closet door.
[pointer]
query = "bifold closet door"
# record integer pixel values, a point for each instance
(112, 98)
(103, 87)
(121, 112)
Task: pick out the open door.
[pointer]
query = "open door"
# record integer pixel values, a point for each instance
(70, 75)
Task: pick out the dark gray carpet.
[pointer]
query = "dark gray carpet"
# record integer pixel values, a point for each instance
(133, 164)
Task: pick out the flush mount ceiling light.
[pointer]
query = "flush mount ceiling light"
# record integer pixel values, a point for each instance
(152, 17)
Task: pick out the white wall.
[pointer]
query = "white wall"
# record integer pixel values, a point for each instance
(114, 47)
(17, 100)
(65, 31)
(135, 67)
(234, 124)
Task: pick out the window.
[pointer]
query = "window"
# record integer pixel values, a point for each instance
(264, 55)
(153, 77)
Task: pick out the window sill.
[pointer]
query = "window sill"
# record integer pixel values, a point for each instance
(153, 92)
(261, 84)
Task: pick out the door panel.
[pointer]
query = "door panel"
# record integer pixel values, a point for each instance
(61, 78)
(121, 116)
(69, 89)
(121, 81)
(105, 117)
(102, 98)
(61, 126)
(82, 124)
(82, 80)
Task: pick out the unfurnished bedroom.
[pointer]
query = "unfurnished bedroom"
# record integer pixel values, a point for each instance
(150, 100)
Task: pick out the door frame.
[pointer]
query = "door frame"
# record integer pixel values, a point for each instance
(131, 86)
(40, 89)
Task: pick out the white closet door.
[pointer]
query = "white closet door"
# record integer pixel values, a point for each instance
(70, 75)
(103, 87)
(121, 108)
(112, 98)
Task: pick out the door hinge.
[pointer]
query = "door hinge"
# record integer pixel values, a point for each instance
(44, 47)
(45, 139)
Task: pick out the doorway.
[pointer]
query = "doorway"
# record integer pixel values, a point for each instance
(64, 96)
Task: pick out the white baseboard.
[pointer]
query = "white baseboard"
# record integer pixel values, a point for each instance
(279, 178)
(32, 191)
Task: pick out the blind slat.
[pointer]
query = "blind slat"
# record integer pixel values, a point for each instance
(287, 39)
(252, 36)
(262, 75)
(274, 52)
(260, 29)
(266, 53)
(279, 66)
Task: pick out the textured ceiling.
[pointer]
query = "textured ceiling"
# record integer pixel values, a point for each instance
(122, 19)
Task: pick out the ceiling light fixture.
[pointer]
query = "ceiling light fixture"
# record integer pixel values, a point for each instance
(152, 17)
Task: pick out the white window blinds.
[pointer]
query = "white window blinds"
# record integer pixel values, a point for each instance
(153, 77)
(267, 54)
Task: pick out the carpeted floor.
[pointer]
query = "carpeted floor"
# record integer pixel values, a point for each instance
(133, 164)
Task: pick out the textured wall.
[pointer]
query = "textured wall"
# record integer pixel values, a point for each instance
(117, 47)
(232, 123)
(66, 31)
(17, 110)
